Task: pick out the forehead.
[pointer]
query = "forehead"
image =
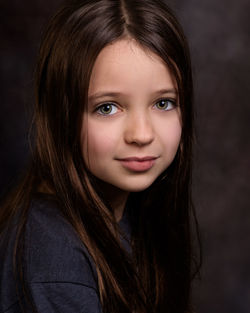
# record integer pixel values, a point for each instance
(126, 65)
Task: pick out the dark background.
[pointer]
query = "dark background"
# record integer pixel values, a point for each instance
(219, 36)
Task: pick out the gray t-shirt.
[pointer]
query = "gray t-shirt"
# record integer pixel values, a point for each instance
(60, 273)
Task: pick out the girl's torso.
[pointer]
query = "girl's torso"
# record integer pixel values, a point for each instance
(59, 271)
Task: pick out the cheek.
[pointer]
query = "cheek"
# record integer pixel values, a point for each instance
(170, 134)
(97, 142)
(174, 135)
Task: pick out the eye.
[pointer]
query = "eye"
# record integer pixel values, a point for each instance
(107, 109)
(165, 104)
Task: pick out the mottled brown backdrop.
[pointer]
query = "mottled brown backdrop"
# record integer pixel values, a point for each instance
(219, 36)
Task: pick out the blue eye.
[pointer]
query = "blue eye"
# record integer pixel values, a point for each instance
(165, 104)
(107, 109)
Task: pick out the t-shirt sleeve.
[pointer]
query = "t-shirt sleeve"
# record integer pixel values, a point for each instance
(64, 297)
(60, 274)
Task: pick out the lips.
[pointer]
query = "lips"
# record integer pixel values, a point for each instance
(137, 164)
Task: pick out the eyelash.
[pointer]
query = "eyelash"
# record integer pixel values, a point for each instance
(103, 105)
(171, 101)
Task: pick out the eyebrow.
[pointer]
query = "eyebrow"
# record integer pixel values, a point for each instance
(117, 94)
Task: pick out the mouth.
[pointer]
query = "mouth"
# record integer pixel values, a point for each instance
(138, 164)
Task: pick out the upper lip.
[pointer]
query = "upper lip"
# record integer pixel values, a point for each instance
(138, 159)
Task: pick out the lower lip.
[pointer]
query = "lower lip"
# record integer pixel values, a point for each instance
(138, 166)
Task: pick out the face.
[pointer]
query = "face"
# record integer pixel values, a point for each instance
(132, 125)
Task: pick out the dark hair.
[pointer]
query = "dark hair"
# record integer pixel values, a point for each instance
(159, 277)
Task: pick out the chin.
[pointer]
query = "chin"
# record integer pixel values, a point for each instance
(136, 187)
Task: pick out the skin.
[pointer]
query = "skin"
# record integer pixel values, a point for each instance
(125, 117)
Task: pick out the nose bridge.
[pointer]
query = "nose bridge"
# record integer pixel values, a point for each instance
(139, 127)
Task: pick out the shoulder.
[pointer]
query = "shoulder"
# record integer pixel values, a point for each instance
(53, 251)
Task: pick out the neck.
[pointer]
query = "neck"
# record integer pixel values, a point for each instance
(116, 197)
(118, 204)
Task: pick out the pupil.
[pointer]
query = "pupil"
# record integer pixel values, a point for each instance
(162, 104)
(106, 108)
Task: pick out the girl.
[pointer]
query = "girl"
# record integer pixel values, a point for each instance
(101, 222)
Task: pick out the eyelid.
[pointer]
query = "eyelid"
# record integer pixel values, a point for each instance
(170, 99)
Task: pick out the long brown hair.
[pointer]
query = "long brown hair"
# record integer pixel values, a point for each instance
(157, 277)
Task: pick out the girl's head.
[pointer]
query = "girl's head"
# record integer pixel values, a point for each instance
(135, 55)
(132, 124)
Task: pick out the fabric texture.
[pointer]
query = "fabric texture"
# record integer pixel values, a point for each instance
(60, 273)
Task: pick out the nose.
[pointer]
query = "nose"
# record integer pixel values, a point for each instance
(139, 130)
